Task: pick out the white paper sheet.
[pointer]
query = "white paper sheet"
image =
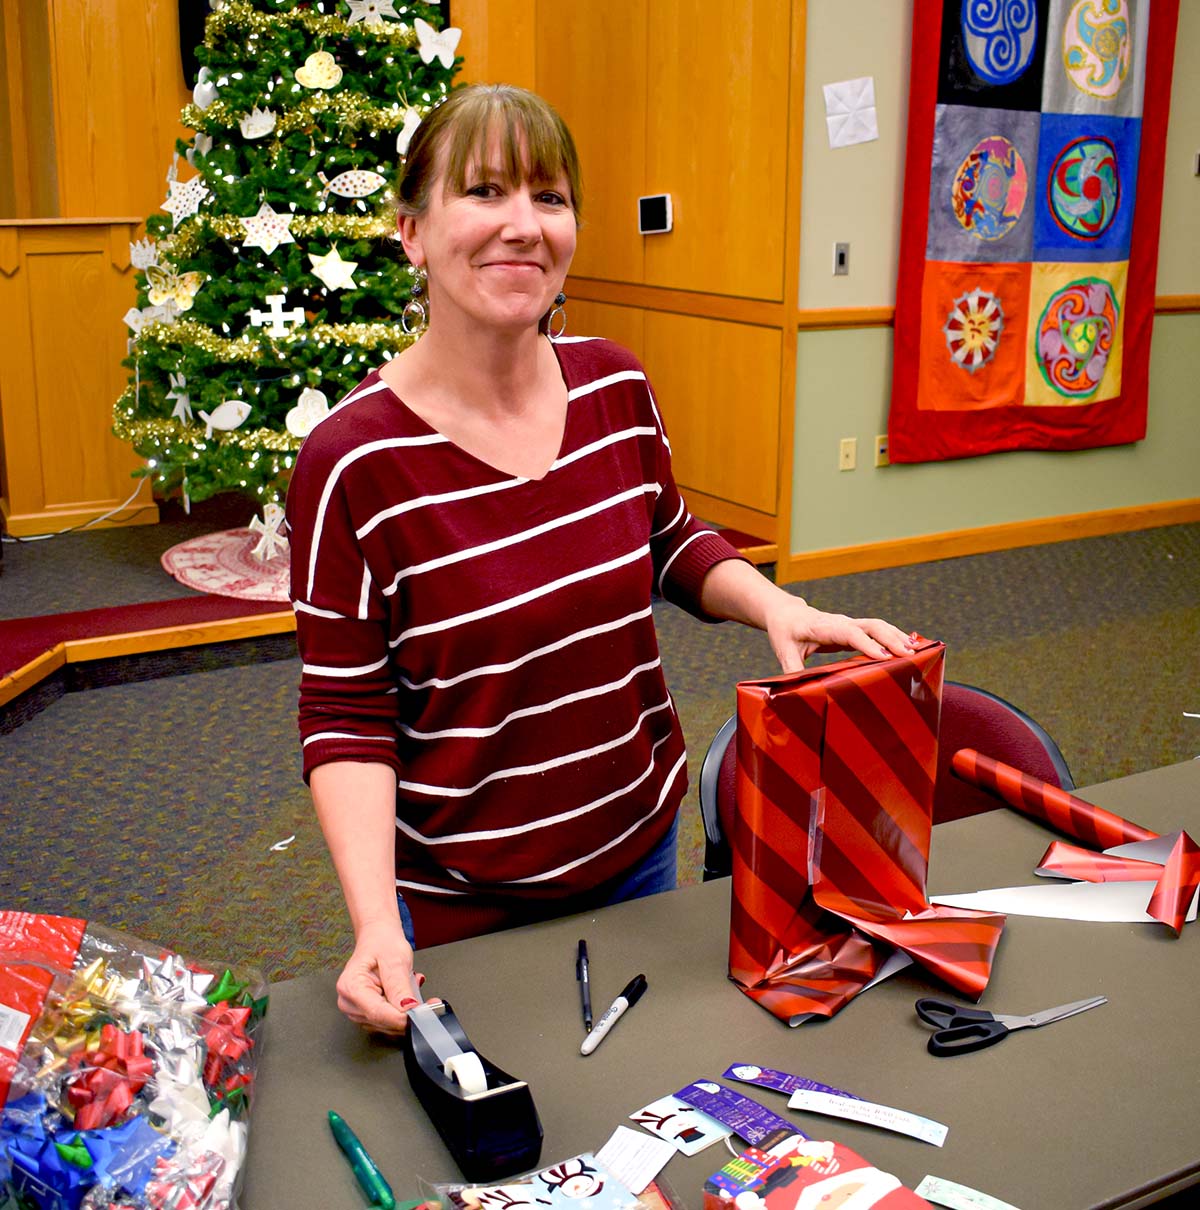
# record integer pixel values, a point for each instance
(635, 1158)
(850, 112)
(1103, 901)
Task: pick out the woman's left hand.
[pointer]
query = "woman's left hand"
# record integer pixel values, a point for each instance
(797, 630)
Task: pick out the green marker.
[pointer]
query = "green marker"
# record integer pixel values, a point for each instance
(369, 1177)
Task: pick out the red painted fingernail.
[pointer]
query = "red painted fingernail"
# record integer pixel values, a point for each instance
(409, 1002)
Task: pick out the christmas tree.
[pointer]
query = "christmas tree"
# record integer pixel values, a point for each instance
(272, 284)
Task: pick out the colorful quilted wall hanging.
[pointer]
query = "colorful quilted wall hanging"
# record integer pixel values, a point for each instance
(1029, 239)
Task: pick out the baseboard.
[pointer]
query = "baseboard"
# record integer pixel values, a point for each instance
(925, 548)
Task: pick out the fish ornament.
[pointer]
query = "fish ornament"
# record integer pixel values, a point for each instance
(227, 416)
(357, 182)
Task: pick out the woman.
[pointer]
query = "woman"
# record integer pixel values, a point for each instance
(477, 530)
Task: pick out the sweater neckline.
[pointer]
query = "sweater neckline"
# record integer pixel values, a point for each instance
(423, 425)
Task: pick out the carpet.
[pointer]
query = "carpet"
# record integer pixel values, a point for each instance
(225, 564)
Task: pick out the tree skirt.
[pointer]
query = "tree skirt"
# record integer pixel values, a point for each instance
(222, 563)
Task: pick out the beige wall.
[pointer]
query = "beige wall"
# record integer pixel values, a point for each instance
(844, 377)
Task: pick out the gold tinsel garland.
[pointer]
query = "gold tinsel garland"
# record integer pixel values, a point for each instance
(253, 348)
(239, 15)
(167, 429)
(352, 111)
(185, 240)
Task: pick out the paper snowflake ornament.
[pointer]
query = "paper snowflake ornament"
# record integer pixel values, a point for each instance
(355, 183)
(275, 318)
(143, 253)
(184, 200)
(311, 409)
(371, 12)
(337, 274)
(412, 119)
(271, 542)
(433, 45)
(183, 402)
(266, 229)
(320, 70)
(257, 124)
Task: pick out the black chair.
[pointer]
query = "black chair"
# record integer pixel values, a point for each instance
(971, 718)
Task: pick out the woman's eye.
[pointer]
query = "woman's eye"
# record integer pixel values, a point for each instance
(483, 190)
(550, 198)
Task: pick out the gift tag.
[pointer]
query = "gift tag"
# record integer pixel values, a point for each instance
(681, 1124)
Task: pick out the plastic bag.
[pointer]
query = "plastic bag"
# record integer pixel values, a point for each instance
(126, 1071)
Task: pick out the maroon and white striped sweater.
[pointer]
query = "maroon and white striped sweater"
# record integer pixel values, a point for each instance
(490, 637)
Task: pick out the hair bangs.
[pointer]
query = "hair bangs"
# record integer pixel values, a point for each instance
(522, 139)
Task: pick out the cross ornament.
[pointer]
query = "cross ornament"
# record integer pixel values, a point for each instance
(277, 316)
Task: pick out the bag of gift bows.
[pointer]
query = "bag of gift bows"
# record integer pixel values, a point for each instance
(126, 1071)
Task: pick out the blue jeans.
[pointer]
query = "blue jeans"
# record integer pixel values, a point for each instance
(654, 873)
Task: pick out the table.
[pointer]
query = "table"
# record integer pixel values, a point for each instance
(1098, 1111)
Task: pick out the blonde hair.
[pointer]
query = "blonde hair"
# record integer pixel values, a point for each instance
(534, 142)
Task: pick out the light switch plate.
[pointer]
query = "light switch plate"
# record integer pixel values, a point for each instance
(841, 260)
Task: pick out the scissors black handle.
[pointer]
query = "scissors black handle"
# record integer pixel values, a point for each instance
(960, 1029)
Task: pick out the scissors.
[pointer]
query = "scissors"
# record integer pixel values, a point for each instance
(961, 1029)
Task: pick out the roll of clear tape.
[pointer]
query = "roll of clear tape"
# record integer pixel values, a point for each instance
(466, 1068)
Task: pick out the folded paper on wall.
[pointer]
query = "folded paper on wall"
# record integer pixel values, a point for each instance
(831, 837)
(1166, 867)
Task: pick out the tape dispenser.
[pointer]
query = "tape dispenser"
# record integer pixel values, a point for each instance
(485, 1117)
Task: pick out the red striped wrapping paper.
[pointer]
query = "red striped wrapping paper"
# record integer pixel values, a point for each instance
(1176, 880)
(831, 836)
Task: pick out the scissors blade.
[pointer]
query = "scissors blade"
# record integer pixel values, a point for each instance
(1049, 1015)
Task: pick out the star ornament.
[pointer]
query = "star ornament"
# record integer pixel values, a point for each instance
(184, 200)
(266, 229)
(371, 12)
(337, 274)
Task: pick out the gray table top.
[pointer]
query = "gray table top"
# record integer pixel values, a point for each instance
(1097, 1111)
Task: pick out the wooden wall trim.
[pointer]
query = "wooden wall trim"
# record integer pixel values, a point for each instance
(924, 548)
(807, 318)
(1176, 304)
(679, 302)
(786, 454)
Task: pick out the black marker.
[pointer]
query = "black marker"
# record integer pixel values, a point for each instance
(631, 994)
(585, 987)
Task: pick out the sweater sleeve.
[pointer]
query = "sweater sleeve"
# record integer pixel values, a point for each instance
(684, 549)
(348, 700)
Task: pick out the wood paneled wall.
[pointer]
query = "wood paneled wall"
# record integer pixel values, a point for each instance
(93, 91)
(64, 286)
(702, 100)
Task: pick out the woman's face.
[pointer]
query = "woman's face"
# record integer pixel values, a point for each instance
(496, 254)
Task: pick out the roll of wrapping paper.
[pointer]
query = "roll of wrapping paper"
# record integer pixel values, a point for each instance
(1096, 827)
(1178, 878)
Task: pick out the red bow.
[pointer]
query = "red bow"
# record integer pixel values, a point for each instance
(224, 1030)
(107, 1078)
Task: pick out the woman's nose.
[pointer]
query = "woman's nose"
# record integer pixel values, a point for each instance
(521, 219)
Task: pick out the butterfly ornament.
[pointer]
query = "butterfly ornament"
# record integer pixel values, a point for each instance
(434, 45)
(165, 285)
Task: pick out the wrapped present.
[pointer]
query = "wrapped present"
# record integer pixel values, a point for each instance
(126, 1072)
(830, 840)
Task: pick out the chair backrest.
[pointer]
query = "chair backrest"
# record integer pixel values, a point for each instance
(975, 718)
(971, 718)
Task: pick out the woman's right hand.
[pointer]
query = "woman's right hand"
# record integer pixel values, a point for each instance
(377, 987)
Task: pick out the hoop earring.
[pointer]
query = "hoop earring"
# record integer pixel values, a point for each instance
(560, 313)
(414, 318)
